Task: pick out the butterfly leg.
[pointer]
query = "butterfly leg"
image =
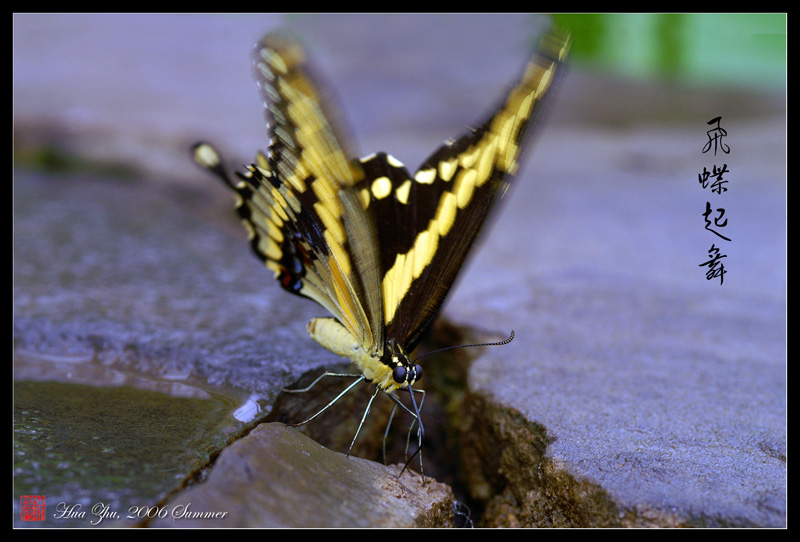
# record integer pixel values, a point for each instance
(320, 377)
(421, 432)
(461, 510)
(364, 417)
(358, 378)
(386, 432)
(417, 419)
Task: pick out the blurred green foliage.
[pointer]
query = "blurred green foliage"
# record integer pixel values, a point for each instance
(705, 48)
(55, 159)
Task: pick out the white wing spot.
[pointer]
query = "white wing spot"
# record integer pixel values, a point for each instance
(393, 161)
(425, 176)
(402, 193)
(381, 187)
(206, 155)
(447, 168)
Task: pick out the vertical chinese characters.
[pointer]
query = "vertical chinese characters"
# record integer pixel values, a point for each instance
(713, 180)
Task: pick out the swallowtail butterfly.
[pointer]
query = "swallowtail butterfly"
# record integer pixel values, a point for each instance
(377, 247)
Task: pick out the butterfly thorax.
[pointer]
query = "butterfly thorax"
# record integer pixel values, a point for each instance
(389, 369)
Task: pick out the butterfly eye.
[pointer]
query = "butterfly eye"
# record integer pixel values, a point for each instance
(399, 374)
(417, 372)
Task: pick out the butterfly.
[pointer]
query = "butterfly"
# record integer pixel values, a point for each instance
(377, 247)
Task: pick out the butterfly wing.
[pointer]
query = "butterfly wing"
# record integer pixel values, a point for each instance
(298, 202)
(428, 223)
(378, 248)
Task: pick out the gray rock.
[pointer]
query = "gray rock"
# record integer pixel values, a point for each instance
(277, 477)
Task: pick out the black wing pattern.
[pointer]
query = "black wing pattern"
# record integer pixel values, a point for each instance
(428, 224)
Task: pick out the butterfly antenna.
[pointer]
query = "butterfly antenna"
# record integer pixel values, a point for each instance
(500, 343)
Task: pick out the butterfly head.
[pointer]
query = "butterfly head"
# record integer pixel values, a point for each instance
(404, 371)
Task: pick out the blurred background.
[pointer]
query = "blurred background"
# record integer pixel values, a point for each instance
(127, 91)
(715, 49)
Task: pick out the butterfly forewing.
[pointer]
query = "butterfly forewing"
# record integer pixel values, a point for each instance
(333, 242)
(428, 223)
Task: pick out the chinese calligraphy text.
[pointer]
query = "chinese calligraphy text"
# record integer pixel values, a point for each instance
(713, 180)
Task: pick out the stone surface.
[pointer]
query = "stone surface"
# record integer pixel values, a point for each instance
(663, 390)
(635, 392)
(132, 273)
(277, 477)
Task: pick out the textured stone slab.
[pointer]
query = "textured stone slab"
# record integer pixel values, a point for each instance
(276, 477)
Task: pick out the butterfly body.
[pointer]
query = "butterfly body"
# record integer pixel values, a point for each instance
(390, 370)
(377, 247)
